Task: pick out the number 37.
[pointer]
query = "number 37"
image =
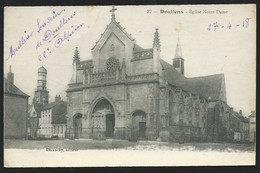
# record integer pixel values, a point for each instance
(149, 11)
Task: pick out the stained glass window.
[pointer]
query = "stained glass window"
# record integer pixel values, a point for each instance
(112, 64)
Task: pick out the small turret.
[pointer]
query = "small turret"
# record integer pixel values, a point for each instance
(156, 40)
(76, 56)
(76, 60)
(156, 51)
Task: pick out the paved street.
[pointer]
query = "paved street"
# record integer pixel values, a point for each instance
(122, 144)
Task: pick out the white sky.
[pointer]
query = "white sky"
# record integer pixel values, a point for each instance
(229, 51)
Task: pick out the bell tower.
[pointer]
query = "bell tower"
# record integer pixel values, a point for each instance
(41, 94)
(178, 61)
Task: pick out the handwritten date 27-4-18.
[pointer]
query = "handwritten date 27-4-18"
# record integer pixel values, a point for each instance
(215, 25)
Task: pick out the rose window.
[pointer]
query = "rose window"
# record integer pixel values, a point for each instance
(112, 64)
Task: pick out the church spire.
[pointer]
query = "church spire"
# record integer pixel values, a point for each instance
(113, 13)
(178, 53)
(156, 40)
(76, 55)
(178, 61)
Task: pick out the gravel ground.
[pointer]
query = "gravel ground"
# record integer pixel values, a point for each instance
(121, 144)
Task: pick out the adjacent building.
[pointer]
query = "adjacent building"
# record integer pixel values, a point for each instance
(252, 127)
(240, 127)
(33, 119)
(59, 125)
(46, 119)
(52, 121)
(15, 109)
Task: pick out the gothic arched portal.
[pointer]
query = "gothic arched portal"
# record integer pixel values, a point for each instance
(103, 117)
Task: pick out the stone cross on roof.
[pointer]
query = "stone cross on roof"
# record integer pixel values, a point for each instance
(113, 12)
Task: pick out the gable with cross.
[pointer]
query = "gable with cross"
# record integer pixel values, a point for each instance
(113, 12)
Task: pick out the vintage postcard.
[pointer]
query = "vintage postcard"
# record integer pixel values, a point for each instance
(159, 85)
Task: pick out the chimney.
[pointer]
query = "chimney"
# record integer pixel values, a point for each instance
(57, 98)
(10, 76)
(231, 109)
(240, 112)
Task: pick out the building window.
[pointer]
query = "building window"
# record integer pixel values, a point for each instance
(112, 64)
(171, 104)
(61, 129)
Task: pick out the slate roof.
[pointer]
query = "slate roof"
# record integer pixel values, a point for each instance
(171, 75)
(12, 89)
(59, 119)
(137, 48)
(59, 110)
(57, 107)
(205, 86)
(240, 117)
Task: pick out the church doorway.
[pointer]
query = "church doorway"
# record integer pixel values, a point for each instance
(110, 125)
(77, 125)
(103, 118)
(139, 125)
(142, 129)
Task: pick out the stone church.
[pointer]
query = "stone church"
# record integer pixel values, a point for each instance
(127, 92)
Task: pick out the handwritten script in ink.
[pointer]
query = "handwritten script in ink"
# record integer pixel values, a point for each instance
(51, 33)
(217, 26)
(13, 49)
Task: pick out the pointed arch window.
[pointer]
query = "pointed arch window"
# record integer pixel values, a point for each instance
(171, 106)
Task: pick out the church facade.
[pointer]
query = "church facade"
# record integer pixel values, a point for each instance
(128, 92)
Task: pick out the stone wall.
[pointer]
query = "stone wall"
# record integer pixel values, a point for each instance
(125, 99)
(15, 110)
(182, 115)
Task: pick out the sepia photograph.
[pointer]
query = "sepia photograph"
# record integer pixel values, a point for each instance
(146, 85)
